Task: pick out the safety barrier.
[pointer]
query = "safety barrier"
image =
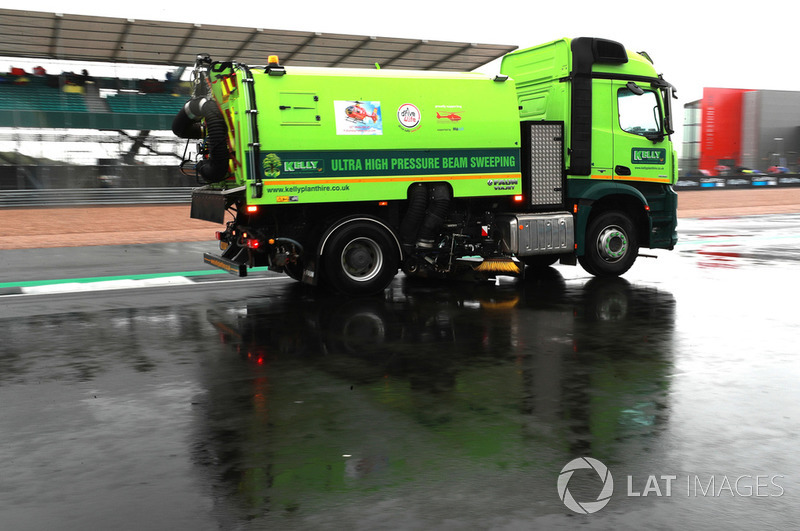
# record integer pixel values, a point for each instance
(738, 182)
(94, 196)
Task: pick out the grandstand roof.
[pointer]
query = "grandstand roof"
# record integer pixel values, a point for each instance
(32, 34)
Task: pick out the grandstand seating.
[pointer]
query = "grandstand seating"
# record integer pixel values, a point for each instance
(146, 103)
(35, 95)
(61, 102)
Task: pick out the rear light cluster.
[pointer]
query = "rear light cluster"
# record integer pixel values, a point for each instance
(245, 239)
(250, 242)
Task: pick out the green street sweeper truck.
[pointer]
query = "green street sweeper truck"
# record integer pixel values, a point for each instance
(341, 177)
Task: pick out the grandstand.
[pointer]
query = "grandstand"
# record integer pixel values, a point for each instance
(75, 102)
(135, 115)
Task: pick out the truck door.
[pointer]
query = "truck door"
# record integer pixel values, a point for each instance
(602, 129)
(642, 151)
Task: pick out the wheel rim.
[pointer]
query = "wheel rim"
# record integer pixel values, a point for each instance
(362, 259)
(362, 330)
(612, 244)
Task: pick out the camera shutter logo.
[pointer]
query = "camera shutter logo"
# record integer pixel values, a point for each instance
(605, 494)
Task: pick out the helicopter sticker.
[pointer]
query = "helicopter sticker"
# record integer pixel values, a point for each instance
(358, 117)
(448, 117)
(453, 116)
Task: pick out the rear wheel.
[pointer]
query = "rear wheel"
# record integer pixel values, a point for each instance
(294, 270)
(611, 245)
(360, 258)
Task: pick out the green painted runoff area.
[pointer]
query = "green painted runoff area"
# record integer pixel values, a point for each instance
(30, 283)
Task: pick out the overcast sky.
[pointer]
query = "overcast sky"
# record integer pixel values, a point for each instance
(695, 44)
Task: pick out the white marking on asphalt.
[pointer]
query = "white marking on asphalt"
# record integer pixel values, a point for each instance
(125, 284)
(104, 285)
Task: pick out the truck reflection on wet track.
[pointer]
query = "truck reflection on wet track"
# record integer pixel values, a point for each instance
(404, 395)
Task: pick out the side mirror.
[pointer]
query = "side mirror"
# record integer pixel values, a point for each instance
(633, 87)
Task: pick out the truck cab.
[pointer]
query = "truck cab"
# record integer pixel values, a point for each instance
(619, 163)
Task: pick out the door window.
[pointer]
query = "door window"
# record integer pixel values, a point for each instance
(639, 113)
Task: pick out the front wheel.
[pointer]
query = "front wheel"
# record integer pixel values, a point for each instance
(360, 259)
(611, 245)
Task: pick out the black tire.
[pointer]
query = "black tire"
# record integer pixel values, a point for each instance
(360, 328)
(361, 258)
(612, 245)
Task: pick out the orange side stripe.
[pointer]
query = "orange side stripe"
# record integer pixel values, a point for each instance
(631, 178)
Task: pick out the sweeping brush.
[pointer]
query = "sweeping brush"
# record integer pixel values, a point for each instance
(500, 265)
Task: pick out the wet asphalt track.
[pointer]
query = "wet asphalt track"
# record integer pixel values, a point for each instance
(146, 395)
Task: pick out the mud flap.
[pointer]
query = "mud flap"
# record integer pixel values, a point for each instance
(210, 205)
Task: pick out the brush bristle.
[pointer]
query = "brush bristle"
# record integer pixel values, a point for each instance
(498, 265)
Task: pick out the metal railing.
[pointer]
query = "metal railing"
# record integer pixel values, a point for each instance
(94, 196)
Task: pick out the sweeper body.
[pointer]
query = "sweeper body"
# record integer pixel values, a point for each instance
(343, 177)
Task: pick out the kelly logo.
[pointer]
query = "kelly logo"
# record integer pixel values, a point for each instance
(656, 156)
(271, 165)
(303, 166)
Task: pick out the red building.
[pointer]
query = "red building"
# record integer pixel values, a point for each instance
(741, 128)
(721, 129)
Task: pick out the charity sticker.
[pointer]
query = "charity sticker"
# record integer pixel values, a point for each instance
(409, 116)
(358, 117)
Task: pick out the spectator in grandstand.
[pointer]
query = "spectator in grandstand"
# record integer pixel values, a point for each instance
(169, 83)
(85, 78)
(19, 76)
(71, 82)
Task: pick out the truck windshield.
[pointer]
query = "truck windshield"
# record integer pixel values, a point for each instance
(639, 114)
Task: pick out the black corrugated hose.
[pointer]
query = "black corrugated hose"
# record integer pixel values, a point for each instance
(186, 124)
